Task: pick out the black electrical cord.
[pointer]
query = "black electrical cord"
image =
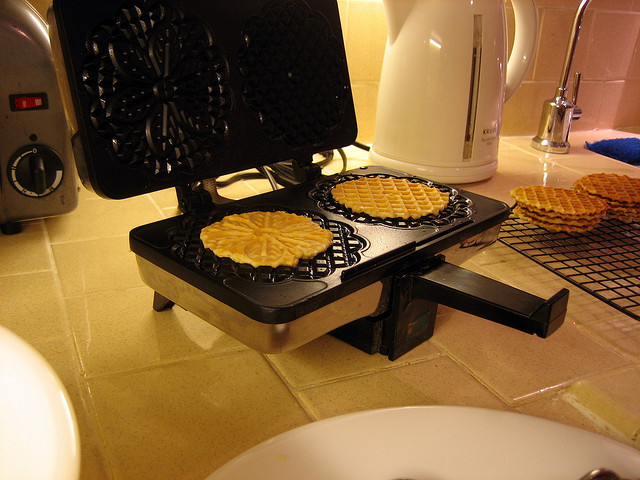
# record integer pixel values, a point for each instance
(283, 173)
(362, 146)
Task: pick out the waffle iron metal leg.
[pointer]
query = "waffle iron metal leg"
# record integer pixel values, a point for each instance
(161, 303)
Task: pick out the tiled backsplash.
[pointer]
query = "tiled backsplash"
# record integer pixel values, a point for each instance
(608, 55)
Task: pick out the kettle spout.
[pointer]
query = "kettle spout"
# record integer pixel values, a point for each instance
(397, 12)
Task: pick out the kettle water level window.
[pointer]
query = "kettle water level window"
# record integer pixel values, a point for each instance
(474, 86)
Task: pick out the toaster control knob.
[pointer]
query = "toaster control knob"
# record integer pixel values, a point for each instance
(35, 170)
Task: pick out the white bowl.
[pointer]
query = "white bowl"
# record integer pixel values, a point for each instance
(432, 442)
(38, 429)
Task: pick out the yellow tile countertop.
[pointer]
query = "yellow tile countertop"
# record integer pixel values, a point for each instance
(165, 395)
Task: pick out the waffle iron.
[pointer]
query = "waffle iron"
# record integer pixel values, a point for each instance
(171, 94)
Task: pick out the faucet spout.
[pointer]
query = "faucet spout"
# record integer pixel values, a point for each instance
(558, 112)
(573, 42)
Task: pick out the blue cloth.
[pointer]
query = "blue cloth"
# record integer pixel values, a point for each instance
(624, 149)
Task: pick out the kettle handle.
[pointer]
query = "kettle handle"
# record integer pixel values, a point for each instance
(524, 44)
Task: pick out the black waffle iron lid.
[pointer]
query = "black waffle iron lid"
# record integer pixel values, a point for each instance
(166, 92)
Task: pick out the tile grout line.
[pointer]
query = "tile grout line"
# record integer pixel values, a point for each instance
(294, 392)
(297, 390)
(585, 330)
(166, 364)
(155, 204)
(473, 375)
(91, 239)
(87, 401)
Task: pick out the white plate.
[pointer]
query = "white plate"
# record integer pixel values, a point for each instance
(431, 443)
(38, 430)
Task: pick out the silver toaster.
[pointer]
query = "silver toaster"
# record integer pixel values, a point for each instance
(37, 171)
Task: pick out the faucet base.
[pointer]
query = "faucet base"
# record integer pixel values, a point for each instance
(549, 146)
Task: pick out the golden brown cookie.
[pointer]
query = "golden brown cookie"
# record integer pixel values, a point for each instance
(390, 197)
(621, 192)
(558, 209)
(266, 238)
(610, 186)
(557, 224)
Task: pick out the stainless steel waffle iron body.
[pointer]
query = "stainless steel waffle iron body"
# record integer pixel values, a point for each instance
(168, 94)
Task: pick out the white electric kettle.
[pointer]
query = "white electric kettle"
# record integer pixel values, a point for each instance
(444, 81)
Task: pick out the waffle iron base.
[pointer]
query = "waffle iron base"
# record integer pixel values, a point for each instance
(282, 311)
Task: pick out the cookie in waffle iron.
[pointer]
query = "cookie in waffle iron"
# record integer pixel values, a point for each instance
(621, 192)
(270, 239)
(558, 209)
(383, 197)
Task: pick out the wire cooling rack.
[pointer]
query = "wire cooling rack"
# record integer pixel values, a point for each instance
(604, 262)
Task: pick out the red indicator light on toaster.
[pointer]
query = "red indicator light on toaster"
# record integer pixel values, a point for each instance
(28, 101)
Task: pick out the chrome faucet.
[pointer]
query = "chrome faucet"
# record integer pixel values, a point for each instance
(557, 112)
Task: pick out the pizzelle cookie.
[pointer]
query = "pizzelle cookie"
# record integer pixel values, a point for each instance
(558, 209)
(621, 192)
(390, 197)
(266, 238)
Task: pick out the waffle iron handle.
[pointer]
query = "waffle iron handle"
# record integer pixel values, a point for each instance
(456, 287)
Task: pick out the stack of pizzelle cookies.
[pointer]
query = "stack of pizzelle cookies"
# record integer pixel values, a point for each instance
(622, 193)
(594, 197)
(558, 209)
